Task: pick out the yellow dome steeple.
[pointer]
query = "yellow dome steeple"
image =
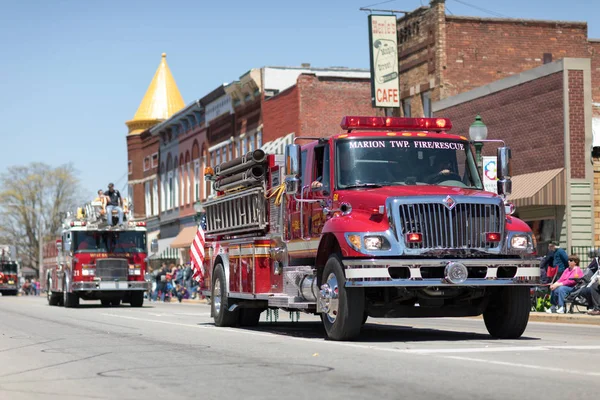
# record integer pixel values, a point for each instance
(162, 99)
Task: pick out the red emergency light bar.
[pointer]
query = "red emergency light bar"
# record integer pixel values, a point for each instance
(387, 123)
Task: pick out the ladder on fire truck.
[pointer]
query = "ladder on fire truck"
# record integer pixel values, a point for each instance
(240, 206)
(93, 213)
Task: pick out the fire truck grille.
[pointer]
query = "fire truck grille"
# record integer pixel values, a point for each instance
(461, 227)
(112, 269)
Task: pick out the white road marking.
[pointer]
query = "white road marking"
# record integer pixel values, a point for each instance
(519, 365)
(499, 349)
(433, 351)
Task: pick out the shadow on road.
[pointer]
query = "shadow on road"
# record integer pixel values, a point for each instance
(373, 333)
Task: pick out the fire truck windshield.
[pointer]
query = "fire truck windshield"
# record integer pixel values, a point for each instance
(109, 241)
(8, 267)
(372, 162)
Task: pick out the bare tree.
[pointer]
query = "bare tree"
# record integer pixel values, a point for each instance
(32, 199)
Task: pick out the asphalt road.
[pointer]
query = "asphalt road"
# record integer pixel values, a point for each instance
(173, 351)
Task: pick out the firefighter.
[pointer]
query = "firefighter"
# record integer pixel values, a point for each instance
(115, 202)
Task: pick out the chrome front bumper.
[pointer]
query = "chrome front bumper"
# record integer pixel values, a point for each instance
(8, 287)
(419, 272)
(110, 286)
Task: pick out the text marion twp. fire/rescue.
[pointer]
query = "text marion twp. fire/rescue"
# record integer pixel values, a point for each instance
(407, 144)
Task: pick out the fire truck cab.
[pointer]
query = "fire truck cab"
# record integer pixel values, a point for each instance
(9, 271)
(99, 262)
(388, 219)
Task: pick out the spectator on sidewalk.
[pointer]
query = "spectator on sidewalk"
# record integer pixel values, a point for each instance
(561, 288)
(560, 258)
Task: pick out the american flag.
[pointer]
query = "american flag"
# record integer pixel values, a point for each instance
(197, 255)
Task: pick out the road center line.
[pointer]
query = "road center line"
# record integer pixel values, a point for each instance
(433, 351)
(519, 365)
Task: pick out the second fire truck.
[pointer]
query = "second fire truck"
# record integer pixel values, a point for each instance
(99, 262)
(9, 271)
(388, 219)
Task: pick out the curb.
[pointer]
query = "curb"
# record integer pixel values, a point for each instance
(580, 319)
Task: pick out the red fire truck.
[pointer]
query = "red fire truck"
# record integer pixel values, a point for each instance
(388, 219)
(9, 271)
(99, 262)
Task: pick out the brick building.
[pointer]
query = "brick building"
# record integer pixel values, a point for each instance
(544, 115)
(443, 55)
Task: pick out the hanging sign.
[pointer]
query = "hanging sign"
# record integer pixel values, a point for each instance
(383, 43)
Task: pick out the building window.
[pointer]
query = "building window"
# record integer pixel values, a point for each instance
(176, 189)
(426, 99)
(146, 163)
(188, 186)
(155, 197)
(163, 193)
(231, 154)
(170, 192)
(154, 160)
(148, 199)
(251, 143)
(238, 151)
(244, 145)
(130, 195)
(183, 185)
(406, 107)
(259, 142)
(129, 167)
(197, 179)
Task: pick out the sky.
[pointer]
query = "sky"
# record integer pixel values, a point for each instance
(72, 72)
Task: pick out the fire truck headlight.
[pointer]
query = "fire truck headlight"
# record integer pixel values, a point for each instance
(376, 243)
(521, 242)
(135, 269)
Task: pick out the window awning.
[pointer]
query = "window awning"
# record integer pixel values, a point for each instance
(185, 237)
(544, 188)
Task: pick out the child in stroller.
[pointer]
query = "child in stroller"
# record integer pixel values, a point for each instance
(580, 295)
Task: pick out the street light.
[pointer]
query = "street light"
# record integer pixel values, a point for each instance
(477, 133)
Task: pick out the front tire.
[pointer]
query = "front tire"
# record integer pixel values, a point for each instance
(344, 307)
(70, 300)
(136, 299)
(220, 301)
(507, 314)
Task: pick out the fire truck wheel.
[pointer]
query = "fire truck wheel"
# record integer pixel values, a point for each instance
(70, 300)
(105, 302)
(136, 299)
(507, 314)
(220, 301)
(115, 302)
(250, 316)
(343, 308)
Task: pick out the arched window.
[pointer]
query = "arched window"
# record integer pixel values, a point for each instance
(188, 178)
(175, 184)
(196, 160)
(169, 188)
(163, 197)
(182, 180)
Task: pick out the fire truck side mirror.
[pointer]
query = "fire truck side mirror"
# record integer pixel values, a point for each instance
(504, 171)
(293, 168)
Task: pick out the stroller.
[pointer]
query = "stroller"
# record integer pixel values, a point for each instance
(575, 298)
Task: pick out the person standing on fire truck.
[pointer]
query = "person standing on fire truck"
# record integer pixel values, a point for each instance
(114, 202)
